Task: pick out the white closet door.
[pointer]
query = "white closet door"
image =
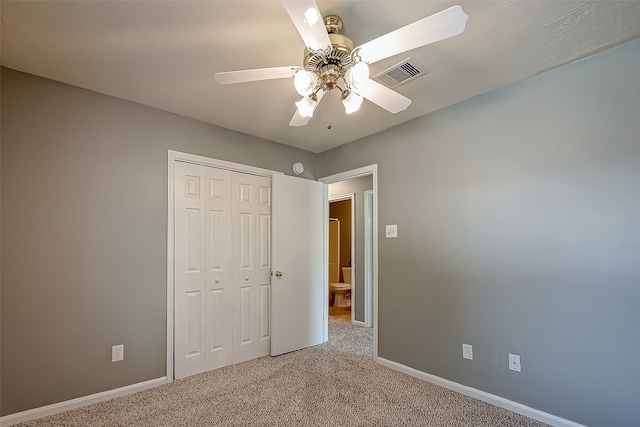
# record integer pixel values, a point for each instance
(263, 266)
(244, 266)
(222, 268)
(219, 275)
(189, 270)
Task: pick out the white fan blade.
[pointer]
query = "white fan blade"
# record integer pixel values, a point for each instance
(298, 119)
(386, 98)
(448, 23)
(308, 20)
(229, 77)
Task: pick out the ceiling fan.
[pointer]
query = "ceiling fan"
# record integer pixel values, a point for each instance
(331, 59)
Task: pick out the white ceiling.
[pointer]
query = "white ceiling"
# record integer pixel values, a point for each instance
(164, 54)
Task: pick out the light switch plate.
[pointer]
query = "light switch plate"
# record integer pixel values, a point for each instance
(514, 362)
(392, 231)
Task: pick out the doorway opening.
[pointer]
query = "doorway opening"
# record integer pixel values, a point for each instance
(342, 251)
(360, 186)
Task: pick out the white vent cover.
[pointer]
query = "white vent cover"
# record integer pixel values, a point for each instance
(400, 74)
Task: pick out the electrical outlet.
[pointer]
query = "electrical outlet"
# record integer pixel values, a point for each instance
(467, 351)
(514, 362)
(117, 353)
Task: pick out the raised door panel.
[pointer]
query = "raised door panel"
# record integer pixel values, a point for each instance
(219, 275)
(189, 270)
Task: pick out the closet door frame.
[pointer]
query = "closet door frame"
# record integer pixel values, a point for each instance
(173, 157)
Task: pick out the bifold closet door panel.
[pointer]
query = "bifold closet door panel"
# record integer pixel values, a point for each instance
(251, 266)
(244, 266)
(219, 268)
(190, 306)
(263, 266)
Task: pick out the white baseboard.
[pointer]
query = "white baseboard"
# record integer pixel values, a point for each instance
(358, 323)
(32, 414)
(481, 395)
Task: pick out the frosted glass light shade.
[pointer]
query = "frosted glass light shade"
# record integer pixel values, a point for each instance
(306, 106)
(352, 102)
(305, 82)
(358, 75)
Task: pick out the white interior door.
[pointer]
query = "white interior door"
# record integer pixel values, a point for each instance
(299, 226)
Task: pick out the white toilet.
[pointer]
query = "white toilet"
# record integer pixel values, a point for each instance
(342, 290)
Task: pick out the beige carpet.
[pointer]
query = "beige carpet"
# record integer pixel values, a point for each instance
(334, 384)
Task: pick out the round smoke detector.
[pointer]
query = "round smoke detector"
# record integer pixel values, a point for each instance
(298, 168)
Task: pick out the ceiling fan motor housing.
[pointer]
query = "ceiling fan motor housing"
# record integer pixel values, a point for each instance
(331, 65)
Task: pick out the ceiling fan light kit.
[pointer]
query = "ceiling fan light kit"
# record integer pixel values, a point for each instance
(351, 101)
(307, 105)
(332, 62)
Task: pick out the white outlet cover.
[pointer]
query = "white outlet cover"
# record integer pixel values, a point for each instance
(117, 353)
(391, 231)
(467, 351)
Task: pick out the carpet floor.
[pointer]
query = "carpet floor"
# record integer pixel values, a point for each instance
(333, 384)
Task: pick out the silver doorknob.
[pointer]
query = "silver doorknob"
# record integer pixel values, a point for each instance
(278, 274)
(246, 278)
(217, 280)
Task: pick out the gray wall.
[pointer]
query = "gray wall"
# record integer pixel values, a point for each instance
(357, 186)
(518, 219)
(84, 220)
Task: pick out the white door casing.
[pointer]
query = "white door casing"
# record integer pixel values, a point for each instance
(299, 295)
(368, 258)
(355, 173)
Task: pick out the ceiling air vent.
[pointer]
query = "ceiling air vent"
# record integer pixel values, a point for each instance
(400, 73)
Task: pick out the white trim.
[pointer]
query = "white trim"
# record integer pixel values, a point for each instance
(325, 269)
(355, 173)
(358, 323)
(482, 395)
(220, 164)
(172, 157)
(368, 249)
(341, 197)
(56, 408)
(352, 255)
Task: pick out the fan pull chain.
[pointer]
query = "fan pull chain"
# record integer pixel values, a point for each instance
(326, 110)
